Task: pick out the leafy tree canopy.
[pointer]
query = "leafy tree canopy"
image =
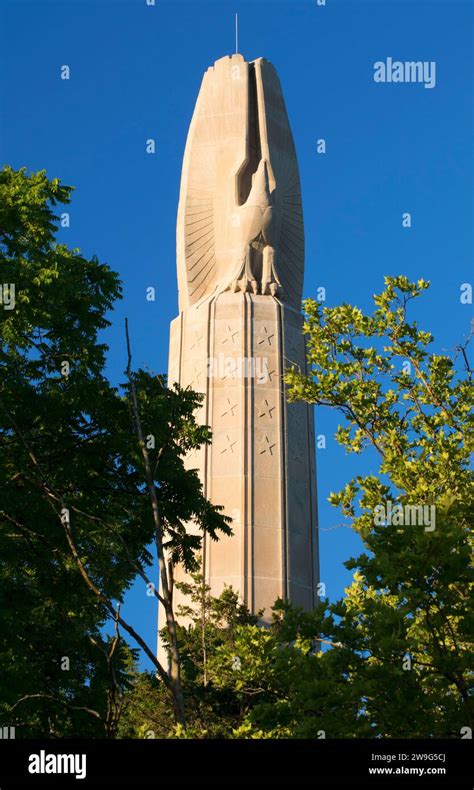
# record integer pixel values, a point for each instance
(74, 505)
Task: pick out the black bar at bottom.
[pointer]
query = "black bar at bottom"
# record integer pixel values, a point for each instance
(350, 763)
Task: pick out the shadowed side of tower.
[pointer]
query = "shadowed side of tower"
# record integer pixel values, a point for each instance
(240, 258)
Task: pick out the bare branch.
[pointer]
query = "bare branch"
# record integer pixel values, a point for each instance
(51, 697)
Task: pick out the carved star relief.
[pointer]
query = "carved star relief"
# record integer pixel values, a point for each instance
(265, 337)
(229, 409)
(266, 446)
(198, 338)
(197, 375)
(230, 446)
(265, 408)
(270, 374)
(231, 334)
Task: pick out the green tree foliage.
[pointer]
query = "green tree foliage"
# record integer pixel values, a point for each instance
(406, 621)
(75, 518)
(213, 709)
(288, 687)
(393, 658)
(92, 476)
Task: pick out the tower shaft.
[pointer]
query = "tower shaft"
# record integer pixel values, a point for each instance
(240, 261)
(234, 349)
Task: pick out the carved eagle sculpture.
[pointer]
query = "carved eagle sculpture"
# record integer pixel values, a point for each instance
(240, 222)
(259, 220)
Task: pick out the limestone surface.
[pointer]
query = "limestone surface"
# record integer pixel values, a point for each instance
(240, 261)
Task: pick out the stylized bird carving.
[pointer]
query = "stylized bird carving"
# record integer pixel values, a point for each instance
(240, 221)
(259, 224)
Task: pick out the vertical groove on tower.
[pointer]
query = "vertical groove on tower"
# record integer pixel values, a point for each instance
(249, 461)
(284, 458)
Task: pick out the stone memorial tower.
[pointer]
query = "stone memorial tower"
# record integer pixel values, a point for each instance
(240, 261)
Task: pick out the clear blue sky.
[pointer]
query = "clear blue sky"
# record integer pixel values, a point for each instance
(135, 74)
